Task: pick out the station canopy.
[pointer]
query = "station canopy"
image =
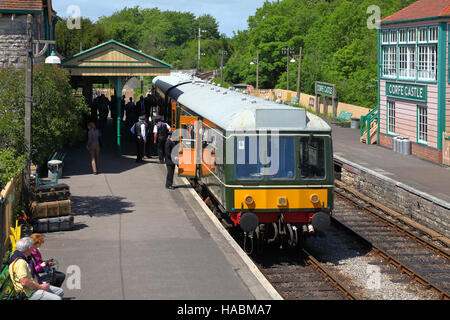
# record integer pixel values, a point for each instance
(114, 59)
(115, 63)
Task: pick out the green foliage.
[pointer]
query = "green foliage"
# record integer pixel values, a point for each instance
(337, 46)
(56, 114)
(68, 42)
(11, 164)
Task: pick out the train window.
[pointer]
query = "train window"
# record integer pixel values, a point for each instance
(265, 156)
(312, 158)
(248, 162)
(188, 140)
(282, 161)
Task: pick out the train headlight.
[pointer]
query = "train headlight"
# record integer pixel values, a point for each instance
(249, 200)
(282, 201)
(315, 198)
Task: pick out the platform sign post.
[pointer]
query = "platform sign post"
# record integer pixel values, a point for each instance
(325, 90)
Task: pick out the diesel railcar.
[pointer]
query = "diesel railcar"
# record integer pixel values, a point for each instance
(268, 166)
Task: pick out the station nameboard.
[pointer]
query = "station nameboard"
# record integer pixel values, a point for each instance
(407, 91)
(326, 89)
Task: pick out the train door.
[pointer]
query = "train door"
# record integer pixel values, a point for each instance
(173, 119)
(187, 158)
(208, 160)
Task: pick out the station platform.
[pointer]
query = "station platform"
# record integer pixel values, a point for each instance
(134, 239)
(421, 176)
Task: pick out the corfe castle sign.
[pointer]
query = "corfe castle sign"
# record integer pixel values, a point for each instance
(406, 91)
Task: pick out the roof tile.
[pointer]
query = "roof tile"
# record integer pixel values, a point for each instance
(25, 5)
(420, 10)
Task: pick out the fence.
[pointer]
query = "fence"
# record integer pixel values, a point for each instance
(309, 101)
(9, 197)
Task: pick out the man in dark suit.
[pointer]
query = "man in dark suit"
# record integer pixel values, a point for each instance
(170, 161)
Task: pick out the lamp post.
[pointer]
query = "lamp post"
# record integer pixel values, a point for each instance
(199, 52)
(288, 52)
(257, 69)
(299, 58)
(222, 53)
(31, 54)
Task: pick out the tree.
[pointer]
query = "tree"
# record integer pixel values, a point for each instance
(56, 113)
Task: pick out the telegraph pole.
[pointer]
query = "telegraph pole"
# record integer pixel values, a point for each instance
(222, 53)
(28, 100)
(299, 74)
(198, 59)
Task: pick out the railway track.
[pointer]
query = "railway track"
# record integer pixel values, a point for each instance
(297, 275)
(422, 258)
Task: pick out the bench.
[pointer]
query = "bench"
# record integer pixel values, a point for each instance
(344, 116)
(293, 101)
(7, 291)
(59, 155)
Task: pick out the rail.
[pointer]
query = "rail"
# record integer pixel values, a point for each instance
(367, 123)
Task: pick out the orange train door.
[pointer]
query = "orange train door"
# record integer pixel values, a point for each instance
(187, 157)
(208, 149)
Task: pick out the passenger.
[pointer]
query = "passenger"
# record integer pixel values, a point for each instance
(103, 109)
(170, 161)
(141, 106)
(139, 131)
(160, 132)
(93, 146)
(22, 276)
(43, 268)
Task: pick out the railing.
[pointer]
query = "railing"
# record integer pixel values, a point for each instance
(366, 123)
(8, 198)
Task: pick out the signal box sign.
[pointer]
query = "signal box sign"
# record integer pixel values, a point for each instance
(406, 91)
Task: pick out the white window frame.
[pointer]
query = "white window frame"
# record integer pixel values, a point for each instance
(433, 34)
(412, 33)
(427, 62)
(422, 124)
(393, 37)
(402, 36)
(390, 119)
(389, 67)
(385, 36)
(420, 33)
(407, 62)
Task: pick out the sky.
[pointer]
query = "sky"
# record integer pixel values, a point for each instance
(231, 15)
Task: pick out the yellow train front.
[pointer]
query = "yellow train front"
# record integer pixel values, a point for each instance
(267, 166)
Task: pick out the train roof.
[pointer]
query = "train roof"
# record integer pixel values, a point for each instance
(235, 111)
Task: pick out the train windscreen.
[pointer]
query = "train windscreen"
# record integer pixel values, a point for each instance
(258, 157)
(312, 158)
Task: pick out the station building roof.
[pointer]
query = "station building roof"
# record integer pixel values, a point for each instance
(24, 6)
(420, 10)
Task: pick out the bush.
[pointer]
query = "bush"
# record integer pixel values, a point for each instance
(56, 113)
(11, 165)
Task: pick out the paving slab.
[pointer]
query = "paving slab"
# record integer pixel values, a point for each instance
(134, 239)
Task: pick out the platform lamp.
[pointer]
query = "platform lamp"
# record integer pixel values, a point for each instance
(288, 52)
(257, 69)
(32, 53)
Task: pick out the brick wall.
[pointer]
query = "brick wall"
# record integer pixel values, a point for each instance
(418, 150)
(412, 204)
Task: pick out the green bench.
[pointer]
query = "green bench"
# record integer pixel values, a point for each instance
(6, 286)
(344, 116)
(59, 155)
(293, 101)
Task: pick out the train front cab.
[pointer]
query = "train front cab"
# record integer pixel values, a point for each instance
(289, 183)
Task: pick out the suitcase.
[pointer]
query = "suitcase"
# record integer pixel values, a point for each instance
(55, 192)
(53, 224)
(50, 209)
